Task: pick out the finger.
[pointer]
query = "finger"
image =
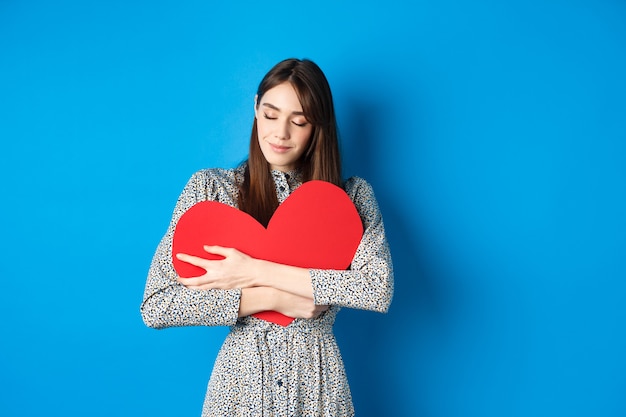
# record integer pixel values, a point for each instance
(218, 250)
(187, 282)
(190, 259)
(198, 287)
(195, 282)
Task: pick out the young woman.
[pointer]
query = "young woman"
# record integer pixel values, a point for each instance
(265, 369)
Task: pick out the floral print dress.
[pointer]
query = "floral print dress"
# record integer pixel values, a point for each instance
(264, 369)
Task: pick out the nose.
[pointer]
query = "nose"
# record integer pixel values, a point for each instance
(282, 131)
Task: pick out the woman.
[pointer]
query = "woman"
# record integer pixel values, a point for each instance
(264, 369)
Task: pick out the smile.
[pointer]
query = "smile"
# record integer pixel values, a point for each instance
(279, 148)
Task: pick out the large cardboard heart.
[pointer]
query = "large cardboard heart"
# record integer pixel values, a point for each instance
(317, 226)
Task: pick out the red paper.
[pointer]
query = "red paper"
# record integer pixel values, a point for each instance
(317, 226)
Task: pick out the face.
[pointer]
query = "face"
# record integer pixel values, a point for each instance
(283, 130)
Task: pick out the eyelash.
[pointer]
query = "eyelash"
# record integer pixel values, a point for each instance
(274, 118)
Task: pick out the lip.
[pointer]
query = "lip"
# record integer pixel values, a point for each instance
(279, 149)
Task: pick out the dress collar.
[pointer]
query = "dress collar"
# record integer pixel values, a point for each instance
(292, 176)
(286, 183)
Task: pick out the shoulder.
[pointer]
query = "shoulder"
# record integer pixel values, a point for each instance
(214, 175)
(217, 184)
(358, 187)
(361, 193)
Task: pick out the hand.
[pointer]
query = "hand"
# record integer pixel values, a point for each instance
(293, 305)
(236, 270)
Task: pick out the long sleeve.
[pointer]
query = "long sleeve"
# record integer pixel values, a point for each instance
(368, 284)
(167, 303)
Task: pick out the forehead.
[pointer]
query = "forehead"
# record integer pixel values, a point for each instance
(283, 97)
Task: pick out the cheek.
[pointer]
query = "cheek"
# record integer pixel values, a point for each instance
(305, 138)
(263, 130)
(259, 127)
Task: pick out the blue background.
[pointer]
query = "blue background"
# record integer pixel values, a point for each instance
(494, 134)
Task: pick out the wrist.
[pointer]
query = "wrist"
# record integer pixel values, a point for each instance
(256, 299)
(257, 278)
(273, 298)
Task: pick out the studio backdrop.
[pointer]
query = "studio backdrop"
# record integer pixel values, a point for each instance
(493, 133)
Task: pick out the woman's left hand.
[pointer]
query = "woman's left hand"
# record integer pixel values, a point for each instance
(234, 271)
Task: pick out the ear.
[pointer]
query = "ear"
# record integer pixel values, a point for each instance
(256, 105)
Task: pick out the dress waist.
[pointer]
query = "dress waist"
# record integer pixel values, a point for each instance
(320, 325)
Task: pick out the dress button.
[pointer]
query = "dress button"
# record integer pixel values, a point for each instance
(280, 382)
(281, 188)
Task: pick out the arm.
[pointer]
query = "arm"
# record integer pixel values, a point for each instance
(166, 302)
(367, 285)
(257, 299)
(238, 270)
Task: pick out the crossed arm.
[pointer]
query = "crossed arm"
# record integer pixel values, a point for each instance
(264, 285)
(239, 285)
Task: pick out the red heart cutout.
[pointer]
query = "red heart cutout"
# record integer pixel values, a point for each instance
(317, 226)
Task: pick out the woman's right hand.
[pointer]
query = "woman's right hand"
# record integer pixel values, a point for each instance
(296, 306)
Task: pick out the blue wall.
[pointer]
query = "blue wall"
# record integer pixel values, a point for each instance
(493, 132)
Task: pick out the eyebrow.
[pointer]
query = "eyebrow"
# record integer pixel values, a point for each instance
(271, 106)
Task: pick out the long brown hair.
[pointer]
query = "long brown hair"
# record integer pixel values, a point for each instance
(320, 161)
